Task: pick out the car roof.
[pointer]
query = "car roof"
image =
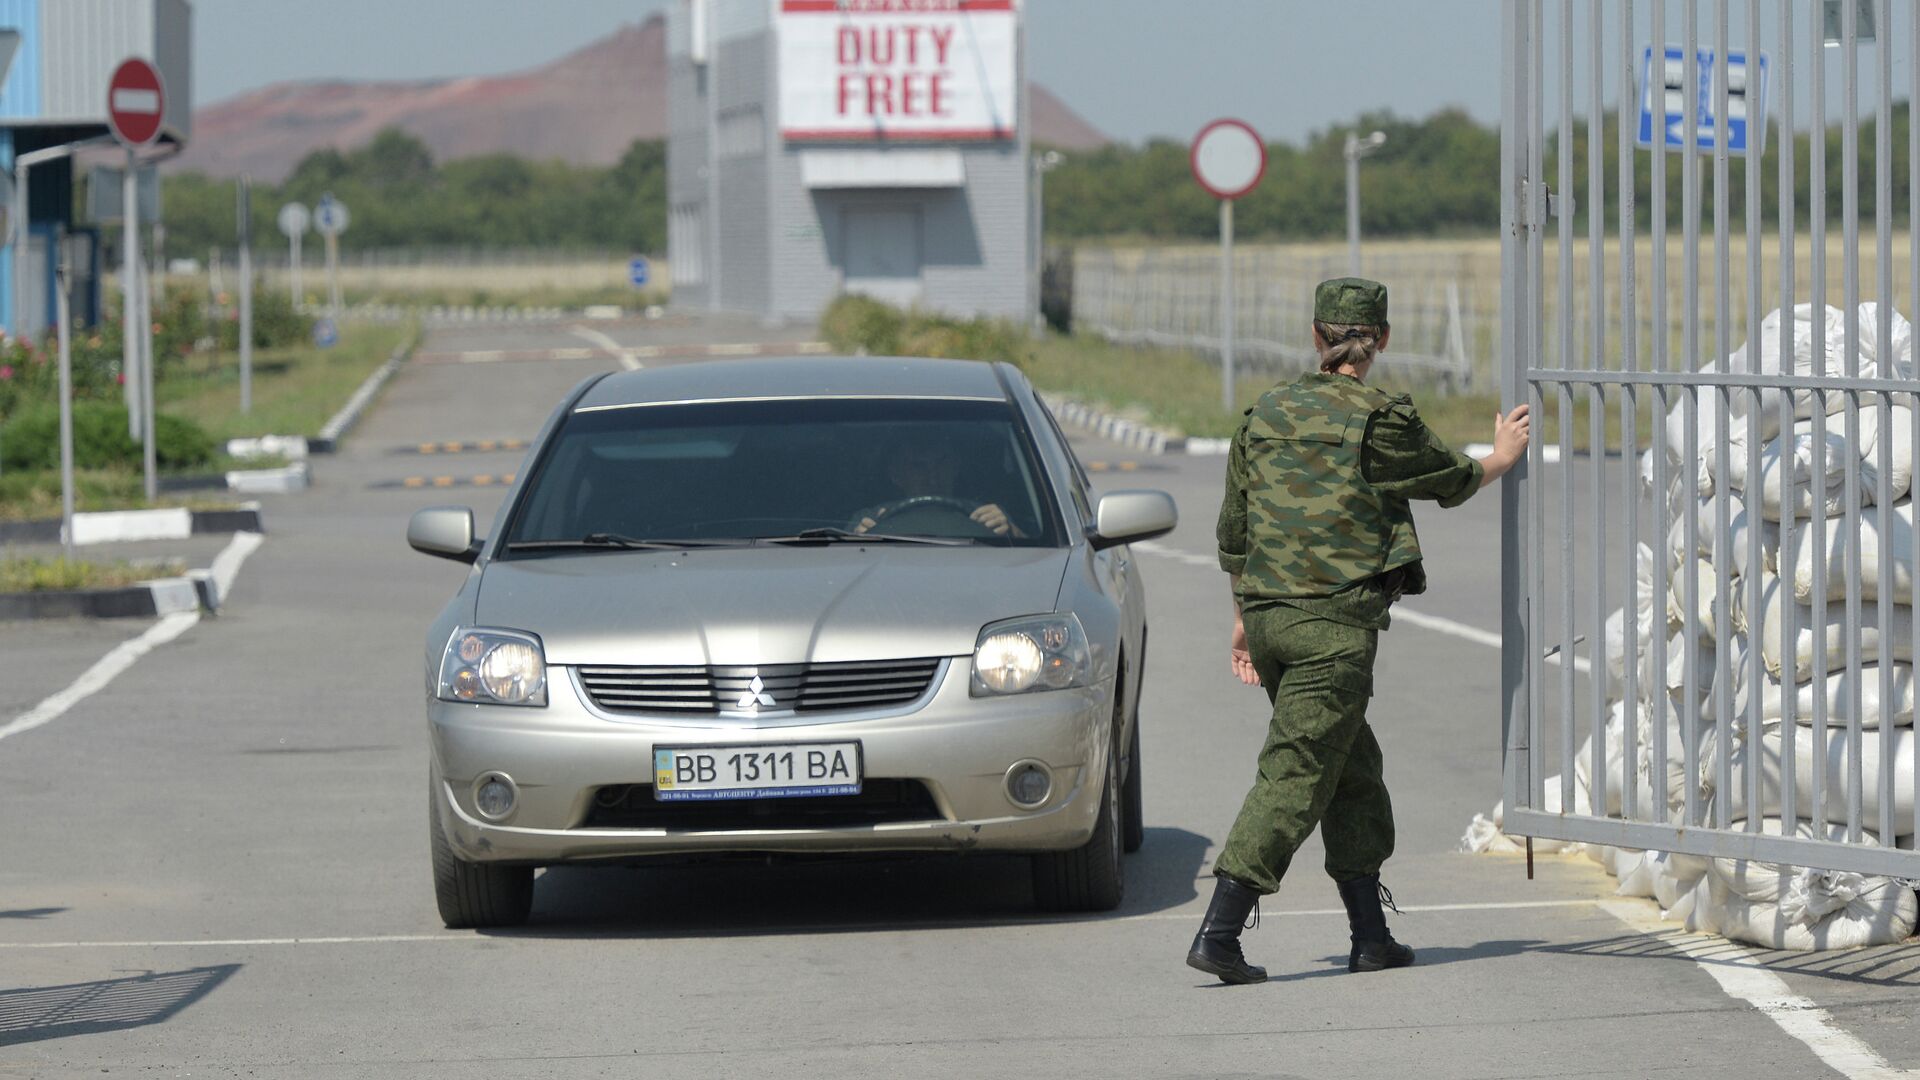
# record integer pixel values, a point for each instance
(796, 377)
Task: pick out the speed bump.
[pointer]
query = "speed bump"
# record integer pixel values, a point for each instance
(419, 482)
(477, 446)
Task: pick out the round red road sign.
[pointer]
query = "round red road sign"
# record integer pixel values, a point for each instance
(1228, 158)
(136, 101)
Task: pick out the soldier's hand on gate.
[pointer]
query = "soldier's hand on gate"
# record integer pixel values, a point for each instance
(1239, 658)
(1511, 432)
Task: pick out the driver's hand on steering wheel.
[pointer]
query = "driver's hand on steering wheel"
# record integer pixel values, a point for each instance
(995, 519)
(866, 523)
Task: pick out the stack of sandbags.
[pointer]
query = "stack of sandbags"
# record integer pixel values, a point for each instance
(1786, 907)
(1484, 832)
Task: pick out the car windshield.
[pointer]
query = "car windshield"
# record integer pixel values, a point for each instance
(801, 471)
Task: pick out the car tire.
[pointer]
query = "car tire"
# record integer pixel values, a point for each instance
(1090, 877)
(473, 895)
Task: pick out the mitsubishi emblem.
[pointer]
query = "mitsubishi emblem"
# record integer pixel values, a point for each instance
(755, 696)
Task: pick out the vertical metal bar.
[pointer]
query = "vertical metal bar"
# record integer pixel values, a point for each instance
(1658, 332)
(1723, 408)
(1690, 356)
(1789, 524)
(1517, 662)
(1883, 352)
(1596, 395)
(1850, 283)
(1755, 675)
(1629, 429)
(1817, 283)
(1563, 175)
(1537, 341)
(1913, 280)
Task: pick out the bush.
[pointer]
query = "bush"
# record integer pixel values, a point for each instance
(31, 440)
(276, 322)
(862, 324)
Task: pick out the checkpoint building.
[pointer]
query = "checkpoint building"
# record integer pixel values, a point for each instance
(869, 146)
(63, 54)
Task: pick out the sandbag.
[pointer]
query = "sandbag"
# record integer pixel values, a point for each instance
(1787, 482)
(1705, 543)
(1898, 713)
(1612, 786)
(1897, 527)
(1789, 907)
(1899, 463)
(1708, 599)
(1836, 631)
(1674, 679)
(1484, 833)
(1830, 327)
(1898, 741)
(1649, 610)
(1664, 877)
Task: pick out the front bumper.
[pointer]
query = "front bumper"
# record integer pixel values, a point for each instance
(959, 747)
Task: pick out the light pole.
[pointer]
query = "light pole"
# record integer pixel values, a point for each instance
(1036, 237)
(1356, 149)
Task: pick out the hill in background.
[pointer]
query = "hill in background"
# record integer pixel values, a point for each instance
(585, 108)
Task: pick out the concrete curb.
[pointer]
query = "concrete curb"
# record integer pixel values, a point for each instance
(343, 421)
(197, 590)
(121, 526)
(1130, 433)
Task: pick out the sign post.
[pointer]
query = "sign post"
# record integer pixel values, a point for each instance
(294, 221)
(136, 101)
(330, 217)
(245, 208)
(63, 327)
(1228, 159)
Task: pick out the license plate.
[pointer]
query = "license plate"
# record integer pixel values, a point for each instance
(698, 773)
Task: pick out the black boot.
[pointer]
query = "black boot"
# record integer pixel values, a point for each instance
(1373, 946)
(1216, 948)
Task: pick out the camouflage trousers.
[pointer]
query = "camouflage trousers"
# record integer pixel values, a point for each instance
(1321, 764)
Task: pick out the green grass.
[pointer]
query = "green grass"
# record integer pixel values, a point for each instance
(296, 390)
(35, 496)
(36, 574)
(1180, 391)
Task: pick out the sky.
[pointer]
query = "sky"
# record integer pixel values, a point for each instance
(1136, 69)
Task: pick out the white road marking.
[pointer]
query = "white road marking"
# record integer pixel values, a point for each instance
(1743, 976)
(102, 672)
(403, 939)
(226, 566)
(1421, 619)
(628, 358)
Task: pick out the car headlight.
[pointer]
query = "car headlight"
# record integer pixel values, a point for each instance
(493, 667)
(1039, 652)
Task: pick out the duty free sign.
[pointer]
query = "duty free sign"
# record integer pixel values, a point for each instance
(866, 70)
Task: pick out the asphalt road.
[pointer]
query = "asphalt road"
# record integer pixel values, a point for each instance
(217, 864)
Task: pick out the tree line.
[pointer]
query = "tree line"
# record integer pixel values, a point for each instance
(1436, 176)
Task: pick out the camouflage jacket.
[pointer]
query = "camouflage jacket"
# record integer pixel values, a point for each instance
(1318, 481)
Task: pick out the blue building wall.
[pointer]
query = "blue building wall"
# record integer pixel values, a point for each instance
(19, 100)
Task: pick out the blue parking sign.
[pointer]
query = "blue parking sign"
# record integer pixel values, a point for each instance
(325, 334)
(638, 270)
(1746, 101)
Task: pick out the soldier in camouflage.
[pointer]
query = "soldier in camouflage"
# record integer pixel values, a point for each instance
(1318, 536)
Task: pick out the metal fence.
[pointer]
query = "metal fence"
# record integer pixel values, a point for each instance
(1445, 305)
(1741, 594)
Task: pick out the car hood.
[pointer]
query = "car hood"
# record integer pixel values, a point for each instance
(767, 605)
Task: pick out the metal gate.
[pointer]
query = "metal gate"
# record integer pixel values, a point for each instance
(1734, 485)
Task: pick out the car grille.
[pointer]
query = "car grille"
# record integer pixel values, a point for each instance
(880, 802)
(803, 688)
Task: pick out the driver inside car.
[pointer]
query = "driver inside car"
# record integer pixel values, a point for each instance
(926, 467)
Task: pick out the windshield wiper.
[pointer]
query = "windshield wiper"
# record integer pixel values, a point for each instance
(830, 534)
(617, 542)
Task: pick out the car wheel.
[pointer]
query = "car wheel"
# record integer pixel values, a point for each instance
(1134, 832)
(1088, 878)
(474, 895)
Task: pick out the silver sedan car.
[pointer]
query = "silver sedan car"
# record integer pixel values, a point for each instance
(822, 605)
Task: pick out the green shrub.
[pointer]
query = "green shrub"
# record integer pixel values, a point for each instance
(863, 324)
(31, 440)
(276, 322)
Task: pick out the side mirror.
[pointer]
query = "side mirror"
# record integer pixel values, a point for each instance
(445, 531)
(1121, 517)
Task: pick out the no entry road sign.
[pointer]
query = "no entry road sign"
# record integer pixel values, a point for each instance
(1228, 158)
(136, 100)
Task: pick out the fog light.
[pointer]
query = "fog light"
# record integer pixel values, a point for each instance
(1028, 784)
(494, 797)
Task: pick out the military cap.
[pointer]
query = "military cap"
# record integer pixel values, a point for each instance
(1350, 300)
